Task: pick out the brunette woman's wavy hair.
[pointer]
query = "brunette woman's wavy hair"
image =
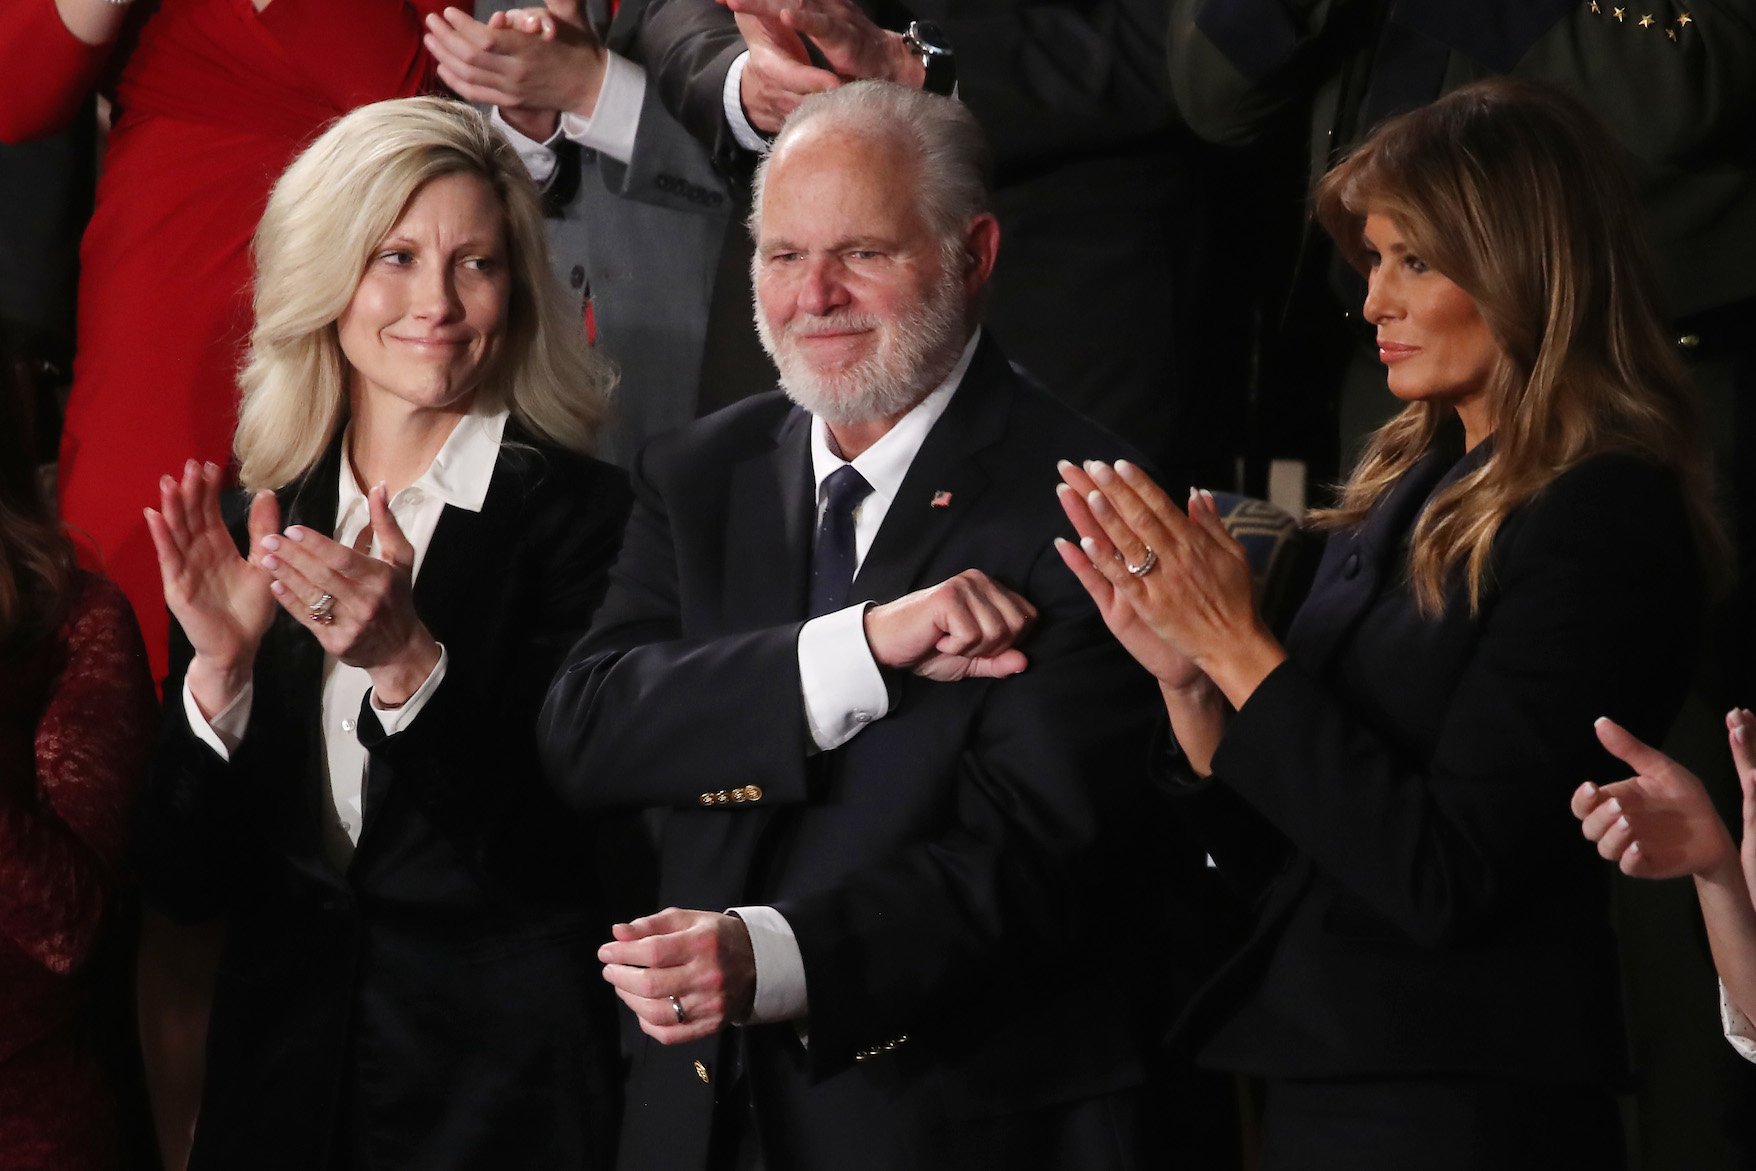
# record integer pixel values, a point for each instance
(36, 559)
(1516, 193)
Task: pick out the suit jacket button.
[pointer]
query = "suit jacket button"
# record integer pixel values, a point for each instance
(706, 798)
(753, 792)
(738, 796)
(701, 1072)
(576, 278)
(1350, 568)
(721, 797)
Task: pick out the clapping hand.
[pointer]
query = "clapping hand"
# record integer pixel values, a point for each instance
(1185, 579)
(221, 600)
(533, 63)
(1660, 822)
(360, 607)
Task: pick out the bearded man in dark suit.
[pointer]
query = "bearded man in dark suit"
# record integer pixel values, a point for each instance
(905, 852)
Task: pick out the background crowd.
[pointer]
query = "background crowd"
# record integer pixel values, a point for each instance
(1156, 168)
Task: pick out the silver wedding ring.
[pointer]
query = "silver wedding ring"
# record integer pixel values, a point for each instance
(677, 1007)
(1145, 566)
(322, 611)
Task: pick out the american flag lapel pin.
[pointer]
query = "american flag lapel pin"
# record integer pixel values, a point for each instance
(941, 499)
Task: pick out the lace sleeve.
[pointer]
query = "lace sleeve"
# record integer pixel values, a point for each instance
(62, 839)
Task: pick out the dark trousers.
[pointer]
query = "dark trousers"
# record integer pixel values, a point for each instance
(1439, 1124)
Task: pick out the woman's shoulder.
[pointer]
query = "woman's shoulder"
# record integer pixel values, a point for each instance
(94, 602)
(99, 627)
(545, 474)
(1612, 486)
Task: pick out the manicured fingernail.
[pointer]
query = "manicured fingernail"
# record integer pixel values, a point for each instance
(1094, 497)
(1621, 823)
(166, 483)
(270, 542)
(271, 562)
(1600, 721)
(1123, 465)
(1090, 548)
(1613, 805)
(1590, 789)
(277, 587)
(1062, 465)
(1738, 734)
(210, 468)
(190, 466)
(1633, 849)
(296, 533)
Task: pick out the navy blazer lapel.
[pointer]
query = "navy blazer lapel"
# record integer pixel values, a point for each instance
(1357, 564)
(943, 484)
(770, 510)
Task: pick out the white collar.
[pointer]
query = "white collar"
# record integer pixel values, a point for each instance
(884, 464)
(459, 475)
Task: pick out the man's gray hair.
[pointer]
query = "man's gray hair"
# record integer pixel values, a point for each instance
(955, 160)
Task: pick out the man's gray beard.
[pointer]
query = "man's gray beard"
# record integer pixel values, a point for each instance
(915, 355)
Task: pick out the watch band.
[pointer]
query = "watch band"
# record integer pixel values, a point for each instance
(928, 45)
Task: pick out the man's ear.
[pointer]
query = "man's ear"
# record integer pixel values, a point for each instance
(981, 247)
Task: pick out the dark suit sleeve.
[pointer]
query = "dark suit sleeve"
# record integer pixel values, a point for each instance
(686, 47)
(1023, 870)
(1056, 80)
(1235, 65)
(468, 753)
(1594, 614)
(639, 716)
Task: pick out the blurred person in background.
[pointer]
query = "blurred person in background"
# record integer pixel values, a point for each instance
(76, 728)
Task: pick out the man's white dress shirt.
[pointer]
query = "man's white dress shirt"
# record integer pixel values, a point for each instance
(842, 688)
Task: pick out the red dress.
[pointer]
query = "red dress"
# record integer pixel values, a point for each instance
(213, 100)
(76, 729)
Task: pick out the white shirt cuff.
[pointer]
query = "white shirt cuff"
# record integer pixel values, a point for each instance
(1738, 1028)
(614, 122)
(780, 969)
(838, 677)
(732, 99)
(225, 731)
(392, 720)
(538, 157)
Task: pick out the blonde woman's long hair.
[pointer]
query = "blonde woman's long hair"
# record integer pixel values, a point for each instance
(1515, 192)
(325, 216)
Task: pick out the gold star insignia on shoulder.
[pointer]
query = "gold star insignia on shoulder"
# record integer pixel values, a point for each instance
(1685, 20)
(1647, 21)
(1671, 33)
(1595, 10)
(1619, 14)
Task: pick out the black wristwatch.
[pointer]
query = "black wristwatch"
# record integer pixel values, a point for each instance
(932, 49)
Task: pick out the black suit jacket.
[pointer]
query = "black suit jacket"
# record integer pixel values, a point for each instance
(957, 875)
(1396, 796)
(439, 1005)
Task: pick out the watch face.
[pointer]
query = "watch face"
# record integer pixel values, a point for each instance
(926, 34)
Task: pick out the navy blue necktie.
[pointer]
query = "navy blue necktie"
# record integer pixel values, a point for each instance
(832, 557)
